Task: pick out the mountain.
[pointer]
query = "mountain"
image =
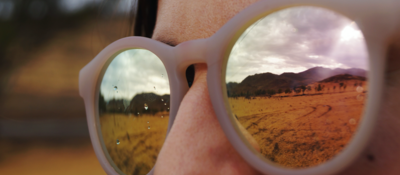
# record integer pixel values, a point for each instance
(154, 103)
(289, 80)
(342, 77)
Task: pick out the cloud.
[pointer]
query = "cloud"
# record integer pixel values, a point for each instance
(132, 72)
(297, 39)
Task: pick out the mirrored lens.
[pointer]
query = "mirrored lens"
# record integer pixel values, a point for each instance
(297, 83)
(134, 110)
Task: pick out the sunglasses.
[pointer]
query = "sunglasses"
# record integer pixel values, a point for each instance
(295, 91)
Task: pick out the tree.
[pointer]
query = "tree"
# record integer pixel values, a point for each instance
(279, 91)
(288, 91)
(260, 92)
(319, 87)
(303, 88)
(340, 85)
(102, 103)
(247, 95)
(294, 88)
(271, 92)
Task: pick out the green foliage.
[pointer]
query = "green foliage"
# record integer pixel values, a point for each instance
(248, 95)
(271, 92)
(260, 92)
(102, 103)
(319, 88)
(303, 88)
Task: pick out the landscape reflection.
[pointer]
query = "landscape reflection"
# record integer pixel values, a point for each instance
(134, 110)
(297, 82)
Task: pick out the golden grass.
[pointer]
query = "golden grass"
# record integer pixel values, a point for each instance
(303, 130)
(138, 146)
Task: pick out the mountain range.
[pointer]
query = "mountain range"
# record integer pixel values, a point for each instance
(154, 103)
(265, 81)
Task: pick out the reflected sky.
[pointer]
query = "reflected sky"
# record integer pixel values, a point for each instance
(133, 72)
(76, 5)
(37, 9)
(6, 9)
(296, 39)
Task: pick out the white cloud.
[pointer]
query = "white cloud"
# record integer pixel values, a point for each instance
(133, 72)
(296, 39)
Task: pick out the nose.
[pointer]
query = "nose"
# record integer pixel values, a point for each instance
(196, 143)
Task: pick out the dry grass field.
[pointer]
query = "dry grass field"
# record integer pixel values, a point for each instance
(302, 130)
(134, 141)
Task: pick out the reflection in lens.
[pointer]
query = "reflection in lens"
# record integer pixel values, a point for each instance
(132, 113)
(296, 81)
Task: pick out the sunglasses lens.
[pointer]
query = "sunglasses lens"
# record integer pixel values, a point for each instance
(133, 110)
(296, 83)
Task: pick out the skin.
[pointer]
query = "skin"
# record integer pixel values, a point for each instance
(196, 143)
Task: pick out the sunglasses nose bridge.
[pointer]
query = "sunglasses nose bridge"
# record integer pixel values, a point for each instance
(191, 52)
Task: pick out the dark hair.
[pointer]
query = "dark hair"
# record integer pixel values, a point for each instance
(144, 22)
(145, 18)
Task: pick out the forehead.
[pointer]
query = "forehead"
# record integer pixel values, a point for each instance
(183, 20)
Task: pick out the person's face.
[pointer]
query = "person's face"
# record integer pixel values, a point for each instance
(196, 143)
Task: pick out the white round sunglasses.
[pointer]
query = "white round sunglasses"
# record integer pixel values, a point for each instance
(301, 121)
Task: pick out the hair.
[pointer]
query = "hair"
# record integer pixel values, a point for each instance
(144, 22)
(145, 18)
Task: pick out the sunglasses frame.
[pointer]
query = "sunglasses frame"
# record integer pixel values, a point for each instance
(378, 20)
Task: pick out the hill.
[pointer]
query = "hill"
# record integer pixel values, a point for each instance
(289, 80)
(155, 103)
(342, 77)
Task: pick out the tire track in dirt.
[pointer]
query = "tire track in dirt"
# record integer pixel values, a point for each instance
(329, 109)
(256, 122)
(315, 110)
(302, 131)
(258, 117)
